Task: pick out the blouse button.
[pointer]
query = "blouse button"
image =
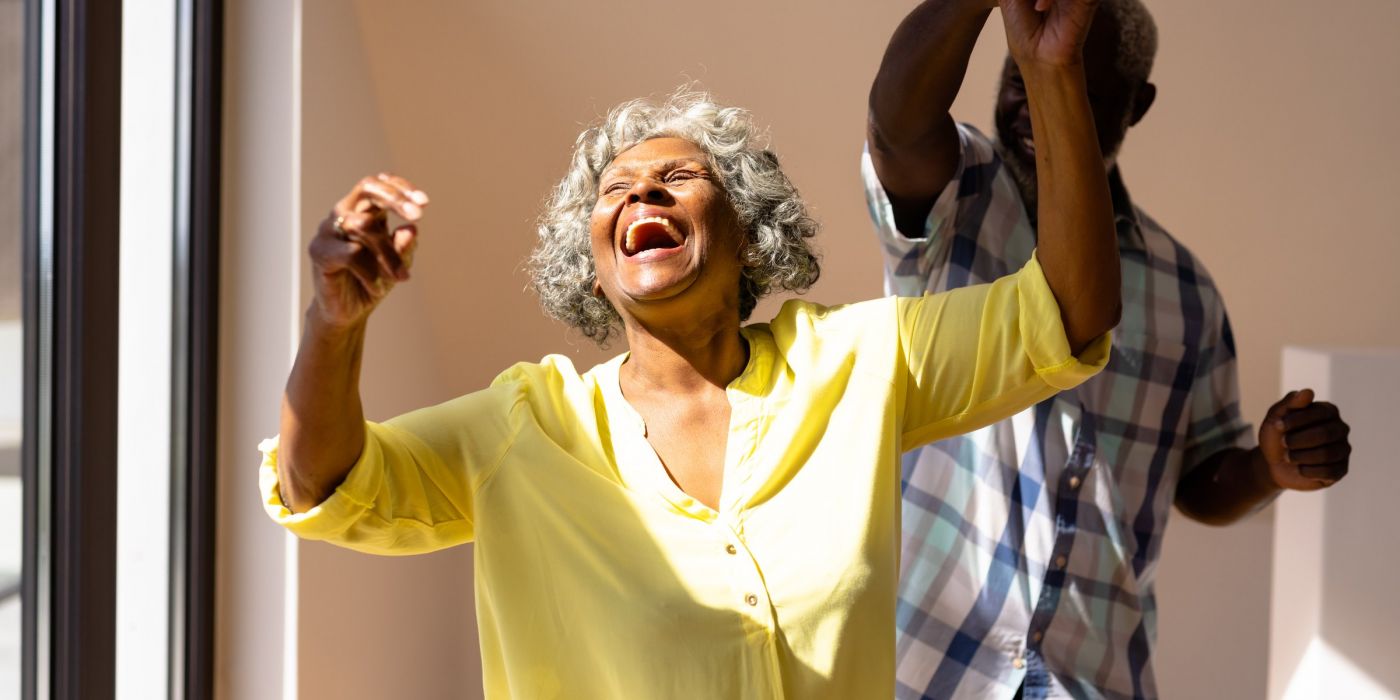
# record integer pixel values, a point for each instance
(751, 599)
(1061, 561)
(731, 549)
(1074, 482)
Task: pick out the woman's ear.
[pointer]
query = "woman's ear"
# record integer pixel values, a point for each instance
(598, 289)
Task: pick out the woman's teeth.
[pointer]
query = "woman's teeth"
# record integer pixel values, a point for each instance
(630, 240)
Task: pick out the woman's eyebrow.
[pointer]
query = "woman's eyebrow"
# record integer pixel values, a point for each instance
(667, 165)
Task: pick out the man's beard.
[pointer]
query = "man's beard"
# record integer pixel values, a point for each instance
(1023, 173)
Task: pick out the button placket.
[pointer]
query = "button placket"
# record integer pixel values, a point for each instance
(748, 585)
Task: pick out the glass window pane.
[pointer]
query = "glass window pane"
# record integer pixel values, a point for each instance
(11, 348)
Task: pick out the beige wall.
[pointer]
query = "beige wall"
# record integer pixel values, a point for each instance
(1334, 618)
(1267, 154)
(256, 338)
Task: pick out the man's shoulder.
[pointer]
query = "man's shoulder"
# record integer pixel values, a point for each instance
(1170, 256)
(977, 147)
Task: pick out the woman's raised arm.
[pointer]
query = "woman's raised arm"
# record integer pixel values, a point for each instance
(1077, 246)
(355, 262)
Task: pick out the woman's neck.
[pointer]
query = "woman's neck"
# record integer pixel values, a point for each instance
(685, 359)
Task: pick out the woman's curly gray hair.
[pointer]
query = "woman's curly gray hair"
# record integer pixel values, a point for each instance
(777, 255)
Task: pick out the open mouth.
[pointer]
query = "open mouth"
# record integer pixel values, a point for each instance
(651, 233)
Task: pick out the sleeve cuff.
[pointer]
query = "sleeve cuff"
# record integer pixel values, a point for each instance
(882, 212)
(351, 499)
(1043, 333)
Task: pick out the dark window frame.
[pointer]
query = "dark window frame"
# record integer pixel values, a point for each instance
(70, 251)
(194, 357)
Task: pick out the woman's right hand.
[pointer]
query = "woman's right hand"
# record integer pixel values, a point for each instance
(355, 258)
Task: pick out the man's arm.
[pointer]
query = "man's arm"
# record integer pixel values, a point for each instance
(913, 141)
(1303, 446)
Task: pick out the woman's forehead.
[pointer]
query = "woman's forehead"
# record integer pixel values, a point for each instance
(663, 149)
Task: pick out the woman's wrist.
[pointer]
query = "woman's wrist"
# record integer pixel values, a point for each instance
(323, 326)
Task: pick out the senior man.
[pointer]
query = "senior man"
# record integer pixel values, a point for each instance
(1030, 547)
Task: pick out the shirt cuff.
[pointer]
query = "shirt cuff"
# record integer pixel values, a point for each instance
(351, 499)
(1043, 333)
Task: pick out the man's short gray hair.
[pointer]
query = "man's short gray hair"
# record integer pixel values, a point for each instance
(1137, 38)
(777, 255)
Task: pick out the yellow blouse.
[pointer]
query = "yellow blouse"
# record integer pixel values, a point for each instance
(596, 577)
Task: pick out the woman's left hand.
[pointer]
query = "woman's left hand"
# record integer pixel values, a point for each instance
(1047, 32)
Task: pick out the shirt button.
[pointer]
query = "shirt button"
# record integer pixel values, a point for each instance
(1037, 636)
(1060, 561)
(1018, 662)
(731, 549)
(1074, 482)
(751, 599)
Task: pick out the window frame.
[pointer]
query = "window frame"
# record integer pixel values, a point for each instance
(70, 245)
(71, 203)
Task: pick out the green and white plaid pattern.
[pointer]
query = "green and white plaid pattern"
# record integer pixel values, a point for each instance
(1030, 547)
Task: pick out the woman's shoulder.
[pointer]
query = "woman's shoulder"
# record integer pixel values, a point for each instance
(553, 373)
(803, 313)
(808, 328)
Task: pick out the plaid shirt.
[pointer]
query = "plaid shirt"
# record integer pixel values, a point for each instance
(1030, 547)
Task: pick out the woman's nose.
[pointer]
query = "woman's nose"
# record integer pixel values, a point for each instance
(647, 191)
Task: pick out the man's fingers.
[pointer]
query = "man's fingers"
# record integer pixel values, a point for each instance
(1300, 399)
(1309, 416)
(1317, 435)
(1324, 472)
(1279, 409)
(1327, 454)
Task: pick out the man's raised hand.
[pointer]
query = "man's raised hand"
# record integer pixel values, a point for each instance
(355, 258)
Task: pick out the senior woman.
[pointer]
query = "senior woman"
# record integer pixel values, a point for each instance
(715, 513)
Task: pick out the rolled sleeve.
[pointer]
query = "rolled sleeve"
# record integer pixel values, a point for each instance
(413, 488)
(910, 262)
(1046, 343)
(351, 500)
(399, 498)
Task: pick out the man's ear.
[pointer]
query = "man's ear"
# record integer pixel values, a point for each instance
(1142, 101)
(597, 289)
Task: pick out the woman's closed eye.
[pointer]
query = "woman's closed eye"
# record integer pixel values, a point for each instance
(682, 175)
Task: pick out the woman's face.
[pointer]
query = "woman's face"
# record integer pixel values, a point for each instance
(665, 238)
